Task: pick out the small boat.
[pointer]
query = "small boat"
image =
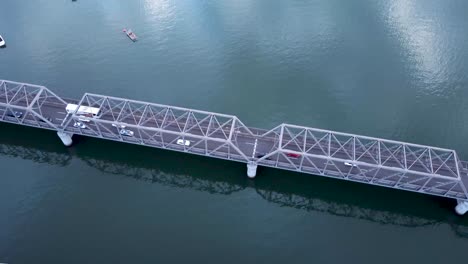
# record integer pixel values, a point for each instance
(130, 34)
(2, 42)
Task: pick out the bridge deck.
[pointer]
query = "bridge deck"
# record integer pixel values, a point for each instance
(394, 164)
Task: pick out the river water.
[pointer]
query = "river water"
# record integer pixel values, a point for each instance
(392, 69)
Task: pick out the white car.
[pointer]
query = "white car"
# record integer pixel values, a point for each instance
(83, 119)
(118, 126)
(183, 142)
(2, 42)
(349, 164)
(79, 125)
(126, 132)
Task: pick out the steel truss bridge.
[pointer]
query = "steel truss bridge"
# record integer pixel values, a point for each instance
(375, 161)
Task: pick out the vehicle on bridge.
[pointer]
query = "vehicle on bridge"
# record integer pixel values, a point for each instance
(16, 114)
(349, 164)
(293, 155)
(79, 125)
(183, 142)
(261, 155)
(83, 110)
(123, 131)
(45, 119)
(126, 132)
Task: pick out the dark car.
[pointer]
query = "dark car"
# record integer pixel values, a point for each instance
(15, 114)
(46, 118)
(263, 155)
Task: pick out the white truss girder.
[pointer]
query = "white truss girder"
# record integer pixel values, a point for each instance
(371, 160)
(208, 133)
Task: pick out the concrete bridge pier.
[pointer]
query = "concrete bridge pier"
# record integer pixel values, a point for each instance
(462, 207)
(252, 169)
(66, 138)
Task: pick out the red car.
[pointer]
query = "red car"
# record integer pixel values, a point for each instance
(293, 155)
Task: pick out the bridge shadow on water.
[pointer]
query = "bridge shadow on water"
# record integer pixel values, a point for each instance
(288, 189)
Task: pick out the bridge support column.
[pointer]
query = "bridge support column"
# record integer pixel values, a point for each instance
(462, 207)
(66, 138)
(252, 169)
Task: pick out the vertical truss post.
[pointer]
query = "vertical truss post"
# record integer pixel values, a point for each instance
(404, 156)
(280, 143)
(379, 153)
(354, 148)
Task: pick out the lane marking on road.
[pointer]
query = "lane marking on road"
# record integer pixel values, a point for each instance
(255, 148)
(63, 113)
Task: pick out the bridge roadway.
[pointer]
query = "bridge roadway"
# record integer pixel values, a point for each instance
(429, 170)
(244, 141)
